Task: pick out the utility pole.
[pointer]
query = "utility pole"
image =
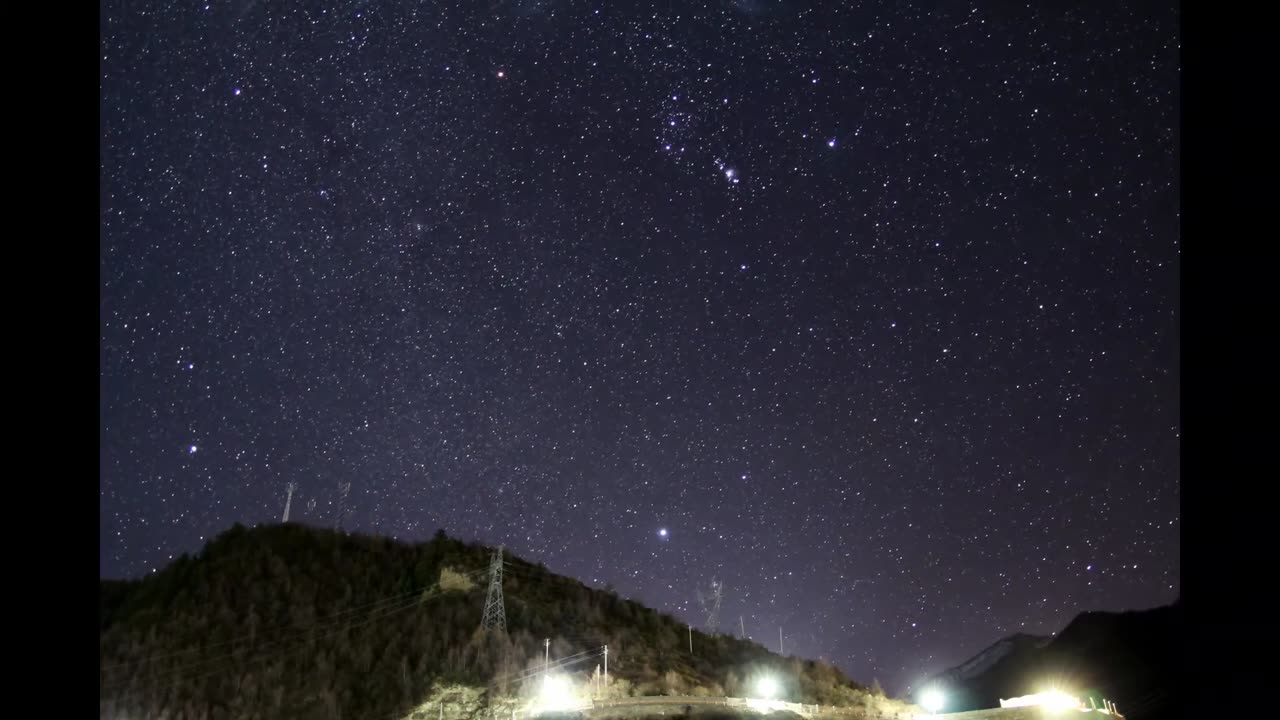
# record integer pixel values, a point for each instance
(742, 629)
(546, 663)
(780, 640)
(288, 499)
(495, 612)
(690, 639)
(606, 664)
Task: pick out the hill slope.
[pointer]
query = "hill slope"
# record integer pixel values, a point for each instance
(285, 621)
(1130, 658)
(1014, 646)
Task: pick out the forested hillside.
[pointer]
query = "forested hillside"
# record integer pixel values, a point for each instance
(287, 621)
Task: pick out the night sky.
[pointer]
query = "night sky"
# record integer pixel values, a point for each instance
(870, 312)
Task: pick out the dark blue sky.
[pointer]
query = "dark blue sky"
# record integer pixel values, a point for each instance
(874, 308)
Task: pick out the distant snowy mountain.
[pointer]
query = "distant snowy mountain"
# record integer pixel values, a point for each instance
(983, 661)
(1130, 658)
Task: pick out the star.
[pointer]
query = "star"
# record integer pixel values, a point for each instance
(444, 282)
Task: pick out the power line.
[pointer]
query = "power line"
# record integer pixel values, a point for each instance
(521, 675)
(560, 664)
(369, 606)
(258, 651)
(155, 683)
(391, 607)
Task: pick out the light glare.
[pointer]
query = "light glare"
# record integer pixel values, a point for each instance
(766, 687)
(932, 700)
(556, 695)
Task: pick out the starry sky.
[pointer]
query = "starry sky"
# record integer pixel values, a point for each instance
(868, 310)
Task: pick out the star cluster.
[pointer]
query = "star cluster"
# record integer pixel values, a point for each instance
(869, 311)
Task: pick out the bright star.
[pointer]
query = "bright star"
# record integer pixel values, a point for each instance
(662, 532)
(192, 449)
(831, 143)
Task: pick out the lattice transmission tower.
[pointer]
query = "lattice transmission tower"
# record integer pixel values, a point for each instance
(495, 612)
(344, 489)
(711, 605)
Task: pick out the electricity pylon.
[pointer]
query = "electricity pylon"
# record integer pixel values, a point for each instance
(711, 605)
(495, 612)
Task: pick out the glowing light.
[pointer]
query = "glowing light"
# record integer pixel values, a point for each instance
(831, 143)
(766, 687)
(662, 532)
(556, 695)
(1058, 700)
(192, 449)
(933, 700)
(729, 173)
(1053, 700)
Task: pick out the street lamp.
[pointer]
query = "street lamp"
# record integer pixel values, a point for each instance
(1057, 700)
(933, 700)
(556, 695)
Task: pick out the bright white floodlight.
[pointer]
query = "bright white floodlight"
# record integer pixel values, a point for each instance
(932, 700)
(557, 694)
(766, 687)
(1056, 700)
